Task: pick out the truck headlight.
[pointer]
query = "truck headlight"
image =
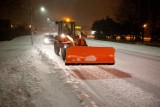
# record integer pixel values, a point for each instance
(65, 46)
(46, 40)
(63, 35)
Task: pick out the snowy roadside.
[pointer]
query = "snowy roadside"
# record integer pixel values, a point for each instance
(29, 78)
(25, 81)
(69, 80)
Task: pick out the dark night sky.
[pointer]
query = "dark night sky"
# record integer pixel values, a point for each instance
(82, 11)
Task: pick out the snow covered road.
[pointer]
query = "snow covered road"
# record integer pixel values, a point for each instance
(132, 81)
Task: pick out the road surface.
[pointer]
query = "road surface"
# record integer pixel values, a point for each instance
(132, 82)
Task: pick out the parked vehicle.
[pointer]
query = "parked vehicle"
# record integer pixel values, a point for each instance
(48, 39)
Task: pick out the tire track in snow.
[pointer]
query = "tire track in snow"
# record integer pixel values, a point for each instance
(111, 87)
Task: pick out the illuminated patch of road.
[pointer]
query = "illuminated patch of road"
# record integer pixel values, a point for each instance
(112, 89)
(94, 73)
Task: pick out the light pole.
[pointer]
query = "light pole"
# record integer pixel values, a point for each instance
(143, 31)
(31, 22)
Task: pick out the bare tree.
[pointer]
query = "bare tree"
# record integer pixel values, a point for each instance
(138, 12)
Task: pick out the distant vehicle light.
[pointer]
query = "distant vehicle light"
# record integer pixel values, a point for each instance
(46, 33)
(56, 33)
(93, 32)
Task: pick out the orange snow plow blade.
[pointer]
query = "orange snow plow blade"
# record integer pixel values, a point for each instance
(85, 55)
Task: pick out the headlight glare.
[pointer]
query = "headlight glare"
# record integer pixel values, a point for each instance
(63, 35)
(46, 40)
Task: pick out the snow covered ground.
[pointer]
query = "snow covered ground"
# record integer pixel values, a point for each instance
(33, 76)
(28, 78)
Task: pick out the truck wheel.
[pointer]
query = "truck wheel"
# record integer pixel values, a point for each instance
(63, 53)
(56, 48)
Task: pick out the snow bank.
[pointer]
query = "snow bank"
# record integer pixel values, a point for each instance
(70, 81)
(31, 78)
(27, 79)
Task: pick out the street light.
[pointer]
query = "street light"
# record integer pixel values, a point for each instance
(43, 9)
(31, 22)
(143, 31)
(144, 25)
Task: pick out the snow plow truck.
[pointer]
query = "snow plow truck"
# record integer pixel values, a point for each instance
(73, 49)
